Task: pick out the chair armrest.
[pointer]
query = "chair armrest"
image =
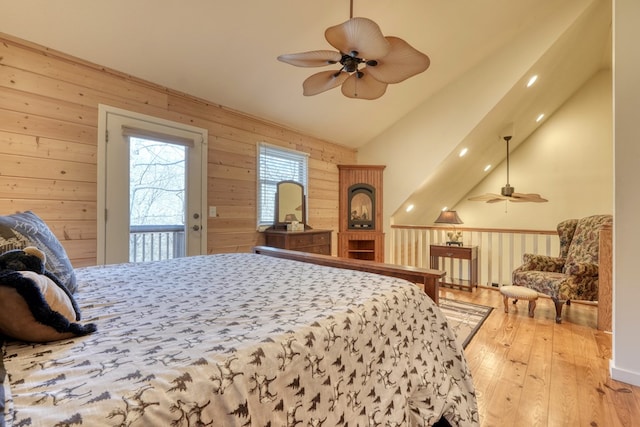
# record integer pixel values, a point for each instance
(582, 269)
(534, 262)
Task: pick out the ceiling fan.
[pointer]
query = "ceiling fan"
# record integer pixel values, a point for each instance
(368, 60)
(508, 192)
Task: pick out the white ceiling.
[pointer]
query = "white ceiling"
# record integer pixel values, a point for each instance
(224, 51)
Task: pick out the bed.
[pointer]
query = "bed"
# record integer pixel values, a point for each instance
(242, 340)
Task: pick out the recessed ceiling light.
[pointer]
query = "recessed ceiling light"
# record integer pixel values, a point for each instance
(486, 168)
(463, 152)
(540, 117)
(532, 80)
(444, 209)
(409, 208)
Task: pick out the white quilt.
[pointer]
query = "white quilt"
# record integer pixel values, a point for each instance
(243, 340)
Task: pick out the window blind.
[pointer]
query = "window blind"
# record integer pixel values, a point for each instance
(277, 164)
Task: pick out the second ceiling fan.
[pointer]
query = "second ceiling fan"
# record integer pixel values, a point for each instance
(508, 192)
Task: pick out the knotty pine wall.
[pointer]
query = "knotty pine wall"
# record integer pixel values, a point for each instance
(48, 149)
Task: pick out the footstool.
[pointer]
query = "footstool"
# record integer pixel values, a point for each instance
(519, 292)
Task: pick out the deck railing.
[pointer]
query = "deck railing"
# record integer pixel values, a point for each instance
(156, 242)
(499, 250)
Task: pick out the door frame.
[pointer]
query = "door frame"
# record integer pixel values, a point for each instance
(103, 112)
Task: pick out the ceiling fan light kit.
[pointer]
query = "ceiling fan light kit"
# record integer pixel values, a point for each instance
(508, 192)
(369, 61)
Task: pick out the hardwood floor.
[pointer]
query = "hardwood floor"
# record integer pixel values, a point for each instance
(534, 372)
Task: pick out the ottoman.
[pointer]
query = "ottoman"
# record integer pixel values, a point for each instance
(519, 292)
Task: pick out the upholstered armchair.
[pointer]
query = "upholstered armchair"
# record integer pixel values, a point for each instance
(573, 275)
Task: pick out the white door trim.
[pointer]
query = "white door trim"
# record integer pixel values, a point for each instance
(200, 137)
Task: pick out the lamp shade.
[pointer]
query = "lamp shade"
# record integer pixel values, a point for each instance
(448, 217)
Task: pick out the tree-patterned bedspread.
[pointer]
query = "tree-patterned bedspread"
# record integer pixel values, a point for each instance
(243, 340)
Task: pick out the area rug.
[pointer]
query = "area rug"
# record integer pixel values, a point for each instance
(464, 318)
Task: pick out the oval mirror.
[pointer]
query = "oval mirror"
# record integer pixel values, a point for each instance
(289, 203)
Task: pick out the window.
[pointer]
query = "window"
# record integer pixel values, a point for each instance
(276, 164)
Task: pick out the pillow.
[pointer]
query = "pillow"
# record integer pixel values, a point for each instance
(24, 229)
(34, 308)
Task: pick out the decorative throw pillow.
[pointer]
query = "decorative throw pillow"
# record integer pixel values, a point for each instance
(23, 229)
(34, 308)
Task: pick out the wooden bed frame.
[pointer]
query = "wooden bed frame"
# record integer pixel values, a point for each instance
(428, 279)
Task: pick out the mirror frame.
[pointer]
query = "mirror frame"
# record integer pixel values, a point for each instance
(281, 191)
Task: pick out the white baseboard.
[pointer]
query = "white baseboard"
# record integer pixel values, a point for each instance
(624, 376)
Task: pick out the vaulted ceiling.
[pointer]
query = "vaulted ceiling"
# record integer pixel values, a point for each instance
(225, 51)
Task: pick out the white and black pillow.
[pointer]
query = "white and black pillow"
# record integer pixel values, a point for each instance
(23, 229)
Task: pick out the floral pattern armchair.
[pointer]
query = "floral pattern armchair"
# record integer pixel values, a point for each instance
(574, 273)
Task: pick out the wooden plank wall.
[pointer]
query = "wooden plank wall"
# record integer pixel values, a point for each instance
(48, 149)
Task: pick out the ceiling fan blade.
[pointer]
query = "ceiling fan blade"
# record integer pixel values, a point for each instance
(361, 35)
(486, 197)
(402, 61)
(527, 197)
(314, 58)
(364, 87)
(323, 81)
(498, 199)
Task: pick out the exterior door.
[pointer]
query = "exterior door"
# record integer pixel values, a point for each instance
(151, 188)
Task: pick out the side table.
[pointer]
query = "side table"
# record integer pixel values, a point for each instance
(468, 253)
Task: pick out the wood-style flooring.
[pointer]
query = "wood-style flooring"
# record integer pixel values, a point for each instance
(533, 372)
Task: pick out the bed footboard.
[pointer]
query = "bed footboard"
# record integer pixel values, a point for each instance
(428, 279)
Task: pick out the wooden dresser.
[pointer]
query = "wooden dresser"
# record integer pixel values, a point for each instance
(313, 241)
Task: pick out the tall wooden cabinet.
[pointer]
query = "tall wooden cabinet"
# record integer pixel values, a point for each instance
(360, 233)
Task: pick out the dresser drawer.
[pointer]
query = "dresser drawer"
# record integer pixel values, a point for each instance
(301, 240)
(314, 241)
(452, 252)
(322, 239)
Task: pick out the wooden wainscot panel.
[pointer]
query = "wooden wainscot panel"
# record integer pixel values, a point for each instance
(11, 187)
(13, 165)
(45, 148)
(41, 126)
(52, 209)
(54, 109)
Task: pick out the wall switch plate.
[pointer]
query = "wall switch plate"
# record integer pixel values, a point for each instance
(213, 212)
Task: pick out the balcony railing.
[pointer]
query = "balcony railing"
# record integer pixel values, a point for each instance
(156, 242)
(499, 250)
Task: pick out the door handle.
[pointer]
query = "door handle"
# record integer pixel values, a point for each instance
(195, 228)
